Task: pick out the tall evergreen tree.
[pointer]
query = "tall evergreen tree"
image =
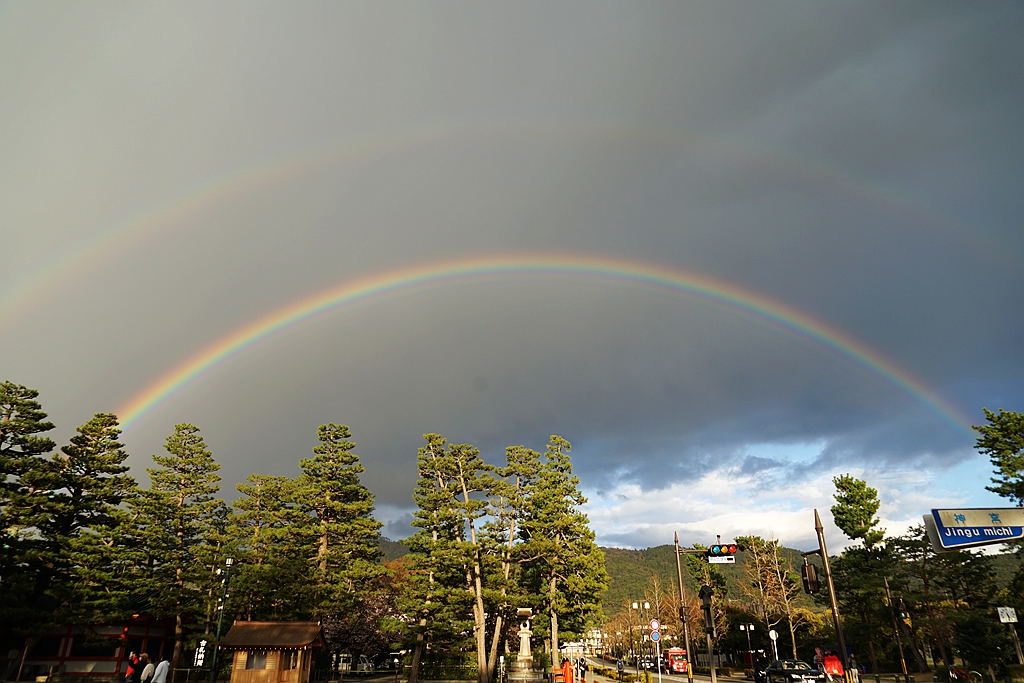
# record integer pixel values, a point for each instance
(23, 490)
(855, 508)
(563, 564)
(501, 535)
(1002, 440)
(82, 522)
(176, 522)
(267, 547)
(437, 594)
(341, 532)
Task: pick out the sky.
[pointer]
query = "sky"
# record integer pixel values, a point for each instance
(728, 250)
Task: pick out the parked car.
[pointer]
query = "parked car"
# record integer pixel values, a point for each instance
(364, 667)
(791, 671)
(388, 661)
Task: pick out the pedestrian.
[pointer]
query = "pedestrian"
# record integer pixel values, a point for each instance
(148, 669)
(160, 675)
(133, 663)
(135, 675)
(852, 662)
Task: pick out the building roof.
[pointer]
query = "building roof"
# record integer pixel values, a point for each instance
(273, 635)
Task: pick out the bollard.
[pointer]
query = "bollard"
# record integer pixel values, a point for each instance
(878, 679)
(910, 678)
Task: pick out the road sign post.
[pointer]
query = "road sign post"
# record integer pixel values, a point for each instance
(774, 635)
(656, 639)
(1008, 616)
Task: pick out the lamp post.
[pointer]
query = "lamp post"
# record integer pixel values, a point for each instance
(225, 575)
(748, 628)
(640, 606)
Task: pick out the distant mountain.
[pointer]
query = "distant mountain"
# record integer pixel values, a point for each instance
(631, 572)
(392, 549)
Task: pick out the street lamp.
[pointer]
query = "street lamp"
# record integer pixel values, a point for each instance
(640, 607)
(220, 616)
(748, 628)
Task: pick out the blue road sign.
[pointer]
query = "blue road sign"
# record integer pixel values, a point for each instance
(971, 527)
(655, 636)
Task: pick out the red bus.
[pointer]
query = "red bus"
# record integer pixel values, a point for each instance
(675, 660)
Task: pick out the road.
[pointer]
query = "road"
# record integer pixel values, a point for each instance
(674, 678)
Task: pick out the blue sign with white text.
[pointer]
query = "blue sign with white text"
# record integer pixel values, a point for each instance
(971, 527)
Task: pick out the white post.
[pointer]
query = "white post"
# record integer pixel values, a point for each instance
(657, 644)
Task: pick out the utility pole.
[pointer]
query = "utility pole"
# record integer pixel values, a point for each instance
(220, 616)
(684, 611)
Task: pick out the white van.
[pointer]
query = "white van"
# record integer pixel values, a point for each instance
(364, 667)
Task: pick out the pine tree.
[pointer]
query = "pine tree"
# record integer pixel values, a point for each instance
(562, 563)
(176, 522)
(437, 597)
(82, 524)
(268, 550)
(501, 534)
(1002, 440)
(341, 533)
(855, 508)
(23, 489)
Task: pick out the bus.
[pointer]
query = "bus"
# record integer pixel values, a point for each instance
(675, 660)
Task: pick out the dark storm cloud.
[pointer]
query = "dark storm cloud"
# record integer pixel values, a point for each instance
(857, 161)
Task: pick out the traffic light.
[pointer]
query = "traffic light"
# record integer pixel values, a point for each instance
(705, 604)
(723, 549)
(722, 553)
(904, 614)
(809, 574)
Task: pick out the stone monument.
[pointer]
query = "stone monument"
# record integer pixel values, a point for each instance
(523, 669)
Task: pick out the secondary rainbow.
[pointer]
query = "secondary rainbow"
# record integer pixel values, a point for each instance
(123, 235)
(410, 280)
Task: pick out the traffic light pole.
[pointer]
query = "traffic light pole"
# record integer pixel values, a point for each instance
(823, 552)
(684, 610)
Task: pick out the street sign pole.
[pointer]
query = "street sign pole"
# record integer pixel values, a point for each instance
(1008, 616)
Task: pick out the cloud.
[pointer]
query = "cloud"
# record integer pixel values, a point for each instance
(855, 162)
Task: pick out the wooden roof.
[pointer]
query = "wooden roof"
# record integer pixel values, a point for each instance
(273, 635)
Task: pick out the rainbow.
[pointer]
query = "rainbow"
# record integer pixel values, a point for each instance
(646, 275)
(117, 238)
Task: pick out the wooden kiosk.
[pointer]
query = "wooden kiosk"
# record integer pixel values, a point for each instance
(272, 651)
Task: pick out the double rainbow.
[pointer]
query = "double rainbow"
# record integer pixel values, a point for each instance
(403, 281)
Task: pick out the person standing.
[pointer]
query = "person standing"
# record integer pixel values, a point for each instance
(148, 669)
(160, 675)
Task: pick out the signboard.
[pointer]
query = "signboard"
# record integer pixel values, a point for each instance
(200, 653)
(1007, 615)
(971, 527)
(655, 624)
(773, 634)
(655, 636)
(722, 559)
